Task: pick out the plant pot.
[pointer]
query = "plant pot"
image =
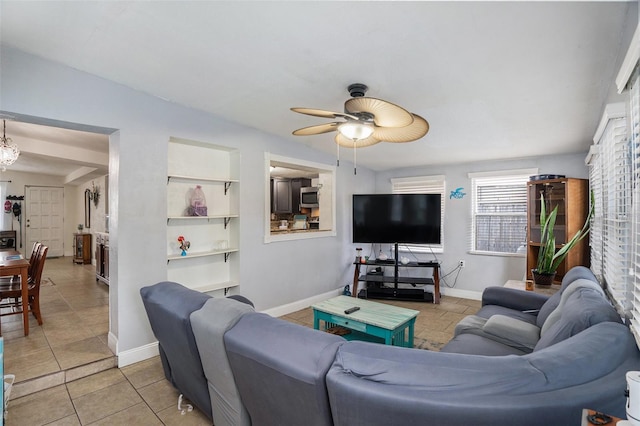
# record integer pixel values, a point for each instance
(543, 279)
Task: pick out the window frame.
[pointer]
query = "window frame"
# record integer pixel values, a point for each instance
(492, 178)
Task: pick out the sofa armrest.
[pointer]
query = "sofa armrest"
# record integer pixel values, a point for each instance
(513, 298)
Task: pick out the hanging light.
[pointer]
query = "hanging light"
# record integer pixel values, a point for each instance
(355, 130)
(9, 151)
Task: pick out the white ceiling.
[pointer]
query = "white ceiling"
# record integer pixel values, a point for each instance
(495, 80)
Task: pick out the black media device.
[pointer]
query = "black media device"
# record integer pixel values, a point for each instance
(397, 218)
(351, 310)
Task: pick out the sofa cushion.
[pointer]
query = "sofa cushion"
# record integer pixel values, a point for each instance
(575, 273)
(209, 325)
(473, 344)
(488, 311)
(280, 369)
(572, 288)
(512, 330)
(374, 385)
(169, 306)
(584, 308)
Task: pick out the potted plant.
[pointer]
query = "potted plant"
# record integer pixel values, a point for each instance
(548, 258)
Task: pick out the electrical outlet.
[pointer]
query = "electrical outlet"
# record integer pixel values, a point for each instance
(461, 264)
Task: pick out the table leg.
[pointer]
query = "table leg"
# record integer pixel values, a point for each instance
(410, 339)
(316, 321)
(436, 284)
(356, 278)
(24, 277)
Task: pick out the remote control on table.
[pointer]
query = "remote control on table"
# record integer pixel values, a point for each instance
(351, 310)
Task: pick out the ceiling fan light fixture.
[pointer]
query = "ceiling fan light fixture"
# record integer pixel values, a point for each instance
(9, 151)
(355, 130)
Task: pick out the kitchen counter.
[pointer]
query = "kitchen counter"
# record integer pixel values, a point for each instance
(293, 231)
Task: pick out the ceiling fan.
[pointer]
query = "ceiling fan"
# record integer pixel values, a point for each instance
(367, 121)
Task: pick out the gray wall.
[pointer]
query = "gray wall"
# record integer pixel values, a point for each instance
(270, 274)
(480, 270)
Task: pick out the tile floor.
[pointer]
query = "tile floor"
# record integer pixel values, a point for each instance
(139, 394)
(72, 342)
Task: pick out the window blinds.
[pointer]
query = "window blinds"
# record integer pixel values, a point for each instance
(423, 185)
(499, 212)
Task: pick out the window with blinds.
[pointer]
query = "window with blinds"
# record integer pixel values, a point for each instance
(610, 177)
(499, 211)
(634, 256)
(423, 185)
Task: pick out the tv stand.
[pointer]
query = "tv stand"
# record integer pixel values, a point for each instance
(376, 288)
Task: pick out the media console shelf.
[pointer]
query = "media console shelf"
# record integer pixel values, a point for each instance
(377, 290)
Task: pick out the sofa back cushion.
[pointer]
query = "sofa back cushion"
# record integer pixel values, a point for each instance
(210, 323)
(586, 306)
(169, 306)
(279, 368)
(575, 273)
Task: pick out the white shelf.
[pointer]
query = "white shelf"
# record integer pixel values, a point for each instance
(216, 286)
(198, 218)
(203, 179)
(201, 254)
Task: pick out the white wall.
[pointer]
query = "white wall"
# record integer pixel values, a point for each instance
(480, 270)
(270, 274)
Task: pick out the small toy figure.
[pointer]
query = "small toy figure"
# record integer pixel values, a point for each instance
(184, 245)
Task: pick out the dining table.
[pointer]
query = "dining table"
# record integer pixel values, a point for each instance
(13, 263)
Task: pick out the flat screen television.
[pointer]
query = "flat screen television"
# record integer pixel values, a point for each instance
(396, 218)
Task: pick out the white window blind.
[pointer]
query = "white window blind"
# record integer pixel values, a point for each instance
(423, 185)
(634, 142)
(596, 242)
(499, 210)
(616, 210)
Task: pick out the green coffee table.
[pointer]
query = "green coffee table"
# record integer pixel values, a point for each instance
(374, 322)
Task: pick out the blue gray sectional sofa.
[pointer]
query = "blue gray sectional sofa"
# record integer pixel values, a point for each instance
(541, 361)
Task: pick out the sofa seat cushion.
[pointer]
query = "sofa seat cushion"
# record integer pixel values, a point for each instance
(473, 344)
(502, 329)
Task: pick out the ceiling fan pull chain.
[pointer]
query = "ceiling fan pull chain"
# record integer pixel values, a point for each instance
(354, 157)
(337, 155)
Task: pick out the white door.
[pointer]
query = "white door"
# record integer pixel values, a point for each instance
(43, 219)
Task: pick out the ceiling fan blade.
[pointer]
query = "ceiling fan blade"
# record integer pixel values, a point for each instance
(322, 113)
(317, 129)
(385, 113)
(409, 133)
(361, 143)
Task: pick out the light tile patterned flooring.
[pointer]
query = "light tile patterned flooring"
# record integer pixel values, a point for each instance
(139, 394)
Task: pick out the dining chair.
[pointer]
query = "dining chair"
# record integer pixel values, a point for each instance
(32, 259)
(10, 288)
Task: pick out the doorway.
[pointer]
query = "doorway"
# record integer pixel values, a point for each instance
(44, 218)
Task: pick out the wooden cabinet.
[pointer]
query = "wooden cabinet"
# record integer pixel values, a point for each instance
(281, 196)
(572, 198)
(82, 248)
(211, 263)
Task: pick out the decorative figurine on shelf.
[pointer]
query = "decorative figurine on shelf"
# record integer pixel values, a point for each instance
(80, 227)
(184, 245)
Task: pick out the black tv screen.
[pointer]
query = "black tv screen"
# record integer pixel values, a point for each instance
(396, 218)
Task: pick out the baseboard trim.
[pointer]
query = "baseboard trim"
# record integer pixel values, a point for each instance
(112, 342)
(463, 294)
(138, 354)
(279, 311)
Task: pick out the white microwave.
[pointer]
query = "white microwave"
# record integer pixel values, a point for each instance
(309, 197)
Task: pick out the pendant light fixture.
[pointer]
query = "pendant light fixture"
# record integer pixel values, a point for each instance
(9, 151)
